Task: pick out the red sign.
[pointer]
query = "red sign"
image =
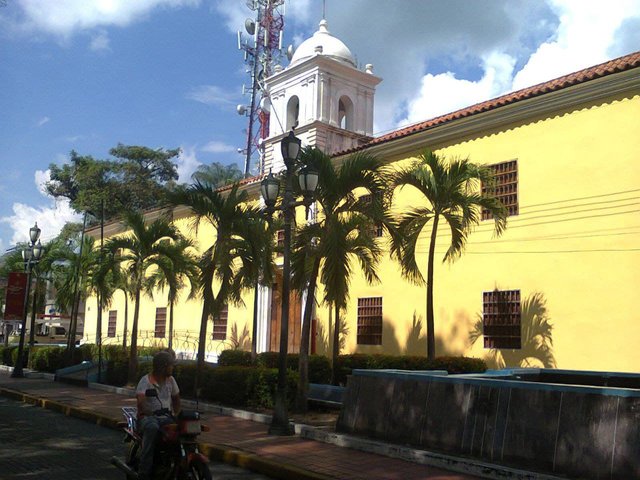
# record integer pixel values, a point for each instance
(16, 290)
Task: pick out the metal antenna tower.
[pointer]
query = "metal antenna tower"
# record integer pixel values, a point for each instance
(262, 54)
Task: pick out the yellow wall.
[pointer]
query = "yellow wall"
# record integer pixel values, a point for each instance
(589, 273)
(572, 242)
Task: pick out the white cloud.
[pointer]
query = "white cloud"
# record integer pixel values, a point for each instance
(50, 217)
(444, 92)
(100, 42)
(187, 163)
(571, 47)
(211, 95)
(577, 45)
(218, 147)
(66, 17)
(42, 121)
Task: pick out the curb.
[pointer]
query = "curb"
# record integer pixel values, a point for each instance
(255, 463)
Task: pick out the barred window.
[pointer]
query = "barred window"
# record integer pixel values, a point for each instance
(111, 327)
(161, 322)
(501, 319)
(370, 321)
(220, 324)
(376, 230)
(280, 242)
(505, 187)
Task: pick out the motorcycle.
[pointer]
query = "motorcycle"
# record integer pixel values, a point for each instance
(176, 456)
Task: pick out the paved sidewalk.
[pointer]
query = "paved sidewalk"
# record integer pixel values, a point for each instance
(246, 443)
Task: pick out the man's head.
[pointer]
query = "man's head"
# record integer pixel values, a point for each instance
(163, 363)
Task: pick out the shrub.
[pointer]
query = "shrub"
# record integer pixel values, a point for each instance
(234, 358)
(319, 369)
(25, 356)
(270, 360)
(7, 354)
(48, 359)
(453, 365)
(263, 384)
(226, 385)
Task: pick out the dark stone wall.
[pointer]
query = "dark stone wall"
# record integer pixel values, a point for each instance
(566, 432)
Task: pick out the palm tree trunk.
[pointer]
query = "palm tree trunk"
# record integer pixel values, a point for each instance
(133, 355)
(431, 339)
(254, 328)
(171, 325)
(126, 320)
(201, 346)
(336, 346)
(303, 359)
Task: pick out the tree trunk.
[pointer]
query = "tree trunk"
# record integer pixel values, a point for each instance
(204, 319)
(303, 359)
(336, 346)
(126, 320)
(254, 328)
(431, 339)
(133, 355)
(171, 325)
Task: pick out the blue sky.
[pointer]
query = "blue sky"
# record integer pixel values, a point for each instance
(86, 75)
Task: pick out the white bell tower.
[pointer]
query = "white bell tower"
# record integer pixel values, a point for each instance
(323, 95)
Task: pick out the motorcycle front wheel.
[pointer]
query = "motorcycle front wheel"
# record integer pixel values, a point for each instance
(199, 471)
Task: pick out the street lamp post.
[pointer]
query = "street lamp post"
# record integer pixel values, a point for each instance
(270, 186)
(31, 256)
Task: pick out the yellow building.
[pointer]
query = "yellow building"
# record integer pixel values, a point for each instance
(566, 154)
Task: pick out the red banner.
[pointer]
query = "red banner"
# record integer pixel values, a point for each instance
(16, 290)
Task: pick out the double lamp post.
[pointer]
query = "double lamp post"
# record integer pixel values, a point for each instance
(270, 189)
(31, 256)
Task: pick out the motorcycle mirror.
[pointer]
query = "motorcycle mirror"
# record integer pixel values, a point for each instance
(151, 392)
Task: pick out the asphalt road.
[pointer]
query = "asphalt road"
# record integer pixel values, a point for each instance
(39, 443)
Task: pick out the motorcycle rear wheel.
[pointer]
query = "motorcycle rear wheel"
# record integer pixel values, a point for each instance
(199, 471)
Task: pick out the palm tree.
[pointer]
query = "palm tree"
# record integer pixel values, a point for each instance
(217, 175)
(344, 230)
(230, 259)
(451, 193)
(179, 266)
(537, 338)
(143, 247)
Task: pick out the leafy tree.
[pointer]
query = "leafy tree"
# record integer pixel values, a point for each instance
(142, 249)
(137, 179)
(232, 259)
(345, 232)
(450, 193)
(178, 266)
(217, 175)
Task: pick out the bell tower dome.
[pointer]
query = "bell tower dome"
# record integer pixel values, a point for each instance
(323, 96)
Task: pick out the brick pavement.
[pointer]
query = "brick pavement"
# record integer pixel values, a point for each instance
(234, 440)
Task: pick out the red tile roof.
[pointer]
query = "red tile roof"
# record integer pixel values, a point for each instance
(620, 64)
(616, 65)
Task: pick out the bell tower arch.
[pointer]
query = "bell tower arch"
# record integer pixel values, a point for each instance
(323, 95)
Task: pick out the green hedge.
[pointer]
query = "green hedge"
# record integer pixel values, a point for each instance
(453, 365)
(319, 365)
(238, 386)
(234, 358)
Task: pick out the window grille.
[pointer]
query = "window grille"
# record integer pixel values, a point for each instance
(220, 324)
(111, 327)
(161, 322)
(505, 187)
(370, 321)
(501, 319)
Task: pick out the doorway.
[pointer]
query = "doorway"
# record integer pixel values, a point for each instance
(295, 316)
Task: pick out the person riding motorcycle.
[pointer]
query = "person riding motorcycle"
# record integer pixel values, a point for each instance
(154, 412)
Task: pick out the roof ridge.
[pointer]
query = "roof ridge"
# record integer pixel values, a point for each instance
(616, 65)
